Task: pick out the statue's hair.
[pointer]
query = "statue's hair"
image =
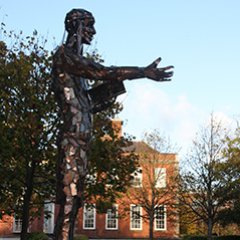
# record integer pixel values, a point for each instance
(73, 17)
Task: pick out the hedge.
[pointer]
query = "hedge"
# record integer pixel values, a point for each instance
(229, 237)
(80, 237)
(37, 236)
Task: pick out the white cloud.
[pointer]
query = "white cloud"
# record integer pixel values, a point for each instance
(148, 107)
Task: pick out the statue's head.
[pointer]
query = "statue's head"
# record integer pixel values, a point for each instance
(80, 22)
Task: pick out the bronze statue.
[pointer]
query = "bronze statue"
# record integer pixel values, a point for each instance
(71, 71)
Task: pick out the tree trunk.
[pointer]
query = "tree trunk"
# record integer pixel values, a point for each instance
(27, 199)
(59, 223)
(73, 217)
(151, 221)
(210, 228)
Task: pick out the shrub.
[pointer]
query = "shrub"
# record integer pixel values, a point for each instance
(230, 237)
(194, 238)
(37, 236)
(81, 237)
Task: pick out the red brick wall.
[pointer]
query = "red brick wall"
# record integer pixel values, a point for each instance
(123, 230)
(6, 225)
(168, 161)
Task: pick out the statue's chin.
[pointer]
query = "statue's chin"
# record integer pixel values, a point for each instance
(87, 39)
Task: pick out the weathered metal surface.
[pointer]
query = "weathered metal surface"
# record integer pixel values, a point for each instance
(77, 103)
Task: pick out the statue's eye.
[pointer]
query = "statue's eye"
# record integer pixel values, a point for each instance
(90, 23)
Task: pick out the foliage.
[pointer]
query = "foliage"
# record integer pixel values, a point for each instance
(188, 223)
(218, 199)
(111, 164)
(160, 142)
(229, 237)
(194, 238)
(37, 236)
(230, 171)
(81, 237)
(203, 187)
(27, 123)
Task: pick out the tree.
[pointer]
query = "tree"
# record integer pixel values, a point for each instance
(28, 126)
(155, 190)
(202, 184)
(111, 162)
(230, 172)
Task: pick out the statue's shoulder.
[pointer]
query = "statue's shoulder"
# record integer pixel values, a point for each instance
(63, 52)
(59, 51)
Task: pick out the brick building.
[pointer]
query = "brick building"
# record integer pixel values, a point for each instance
(125, 219)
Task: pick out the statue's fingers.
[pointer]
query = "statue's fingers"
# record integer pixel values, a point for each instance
(155, 63)
(165, 80)
(167, 68)
(168, 74)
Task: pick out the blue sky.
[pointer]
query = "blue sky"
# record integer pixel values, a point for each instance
(200, 38)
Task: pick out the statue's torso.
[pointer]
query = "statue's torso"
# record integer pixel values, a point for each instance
(72, 97)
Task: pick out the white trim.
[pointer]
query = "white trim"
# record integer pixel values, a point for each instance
(137, 178)
(140, 218)
(116, 219)
(164, 219)
(93, 207)
(160, 177)
(17, 224)
(48, 223)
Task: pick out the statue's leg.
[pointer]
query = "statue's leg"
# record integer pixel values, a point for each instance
(70, 181)
(81, 161)
(73, 216)
(74, 167)
(66, 220)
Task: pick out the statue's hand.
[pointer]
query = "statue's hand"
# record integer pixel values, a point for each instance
(158, 74)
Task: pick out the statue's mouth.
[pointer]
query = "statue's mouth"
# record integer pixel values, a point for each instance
(88, 37)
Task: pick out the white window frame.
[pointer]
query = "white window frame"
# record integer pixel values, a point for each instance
(163, 220)
(85, 208)
(91, 179)
(48, 223)
(132, 220)
(17, 224)
(160, 175)
(110, 217)
(137, 178)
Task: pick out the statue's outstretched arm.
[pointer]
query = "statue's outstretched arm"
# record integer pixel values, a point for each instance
(87, 68)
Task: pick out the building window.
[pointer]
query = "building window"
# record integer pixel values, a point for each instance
(112, 218)
(89, 217)
(91, 178)
(17, 224)
(137, 178)
(48, 223)
(160, 177)
(135, 217)
(160, 218)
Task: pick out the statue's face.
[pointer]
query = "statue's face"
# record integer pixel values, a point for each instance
(88, 30)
